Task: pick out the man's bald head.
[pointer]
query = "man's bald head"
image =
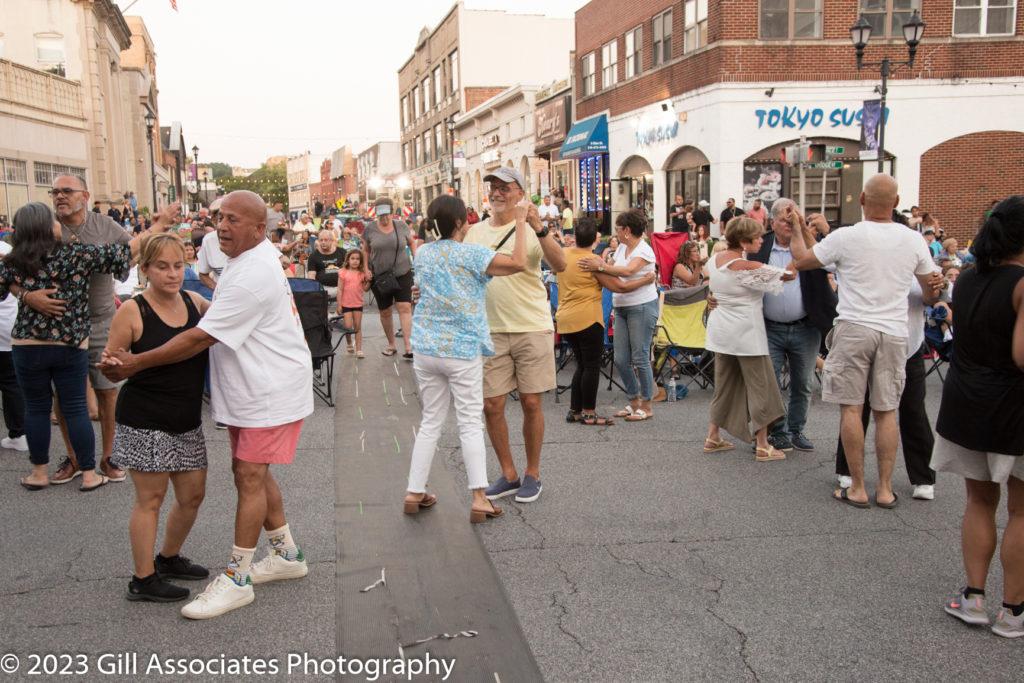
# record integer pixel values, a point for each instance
(247, 203)
(880, 197)
(243, 222)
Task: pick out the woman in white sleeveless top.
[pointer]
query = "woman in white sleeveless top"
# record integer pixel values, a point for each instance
(747, 395)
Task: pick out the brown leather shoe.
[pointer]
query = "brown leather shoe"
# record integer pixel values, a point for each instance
(66, 473)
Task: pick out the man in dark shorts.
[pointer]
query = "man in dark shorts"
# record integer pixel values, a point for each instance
(387, 243)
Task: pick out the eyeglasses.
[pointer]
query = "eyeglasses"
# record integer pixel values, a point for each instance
(63, 190)
(503, 189)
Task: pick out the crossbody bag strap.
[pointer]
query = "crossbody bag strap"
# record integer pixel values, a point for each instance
(504, 239)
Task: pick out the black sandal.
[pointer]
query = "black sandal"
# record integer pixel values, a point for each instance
(596, 421)
(572, 417)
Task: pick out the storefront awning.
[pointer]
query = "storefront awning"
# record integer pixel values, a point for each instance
(586, 137)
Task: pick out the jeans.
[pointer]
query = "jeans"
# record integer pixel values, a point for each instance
(64, 368)
(634, 330)
(588, 346)
(14, 403)
(440, 381)
(799, 344)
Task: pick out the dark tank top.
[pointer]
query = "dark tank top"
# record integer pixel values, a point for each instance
(983, 396)
(168, 398)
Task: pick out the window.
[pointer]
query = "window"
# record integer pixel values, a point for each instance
(589, 77)
(13, 186)
(405, 157)
(425, 91)
(787, 19)
(415, 152)
(50, 50)
(696, 32)
(453, 71)
(438, 141)
(634, 41)
(984, 17)
(438, 95)
(663, 37)
(416, 102)
(610, 64)
(888, 16)
(426, 147)
(405, 111)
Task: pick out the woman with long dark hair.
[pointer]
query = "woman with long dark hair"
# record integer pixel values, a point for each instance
(52, 351)
(450, 336)
(980, 433)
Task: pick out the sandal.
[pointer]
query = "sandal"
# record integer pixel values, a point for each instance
(413, 507)
(572, 417)
(389, 352)
(716, 446)
(32, 487)
(480, 516)
(771, 453)
(360, 354)
(596, 421)
(843, 496)
(625, 412)
(639, 415)
(888, 506)
(350, 349)
(105, 469)
(104, 480)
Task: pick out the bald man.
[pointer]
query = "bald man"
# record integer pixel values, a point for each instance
(876, 262)
(261, 387)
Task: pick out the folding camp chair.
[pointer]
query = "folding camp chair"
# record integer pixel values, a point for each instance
(608, 355)
(198, 287)
(311, 301)
(680, 337)
(938, 338)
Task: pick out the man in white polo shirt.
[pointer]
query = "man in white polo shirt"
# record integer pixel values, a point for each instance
(876, 262)
(261, 380)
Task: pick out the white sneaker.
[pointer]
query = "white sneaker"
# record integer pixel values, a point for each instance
(274, 567)
(1007, 625)
(924, 492)
(845, 482)
(18, 444)
(220, 596)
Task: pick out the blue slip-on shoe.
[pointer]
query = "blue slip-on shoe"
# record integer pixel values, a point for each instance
(529, 491)
(501, 488)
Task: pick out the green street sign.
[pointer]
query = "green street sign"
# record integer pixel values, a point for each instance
(836, 165)
(835, 150)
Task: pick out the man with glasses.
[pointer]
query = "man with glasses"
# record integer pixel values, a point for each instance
(522, 332)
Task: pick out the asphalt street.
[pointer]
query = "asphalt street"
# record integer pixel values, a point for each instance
(644, 559)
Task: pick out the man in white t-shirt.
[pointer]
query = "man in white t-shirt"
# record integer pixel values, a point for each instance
(876, 262)
(549, 213)
(261, 387)
(210, 260)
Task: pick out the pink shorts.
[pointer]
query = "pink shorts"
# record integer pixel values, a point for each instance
(265, 445)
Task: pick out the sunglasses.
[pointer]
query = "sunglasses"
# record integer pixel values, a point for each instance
(63, 190)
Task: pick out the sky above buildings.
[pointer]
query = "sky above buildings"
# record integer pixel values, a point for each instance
(250, 79)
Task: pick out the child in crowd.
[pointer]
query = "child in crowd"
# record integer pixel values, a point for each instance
(353, 282)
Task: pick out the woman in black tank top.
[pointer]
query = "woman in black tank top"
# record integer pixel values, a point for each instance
(981, 419)
(159, 436)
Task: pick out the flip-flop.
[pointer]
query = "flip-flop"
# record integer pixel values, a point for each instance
(389, 352)
(843, 497)
(413, 507)
(104, 480)
(625, 412)
(32, 487)
(114, 480)
(888, 506)
(639, 415)
(720, 445)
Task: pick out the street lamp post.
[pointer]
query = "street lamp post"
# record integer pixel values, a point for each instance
(195, 161)
(206, 188)
(150, 123)
(450, 123)
(860, 34)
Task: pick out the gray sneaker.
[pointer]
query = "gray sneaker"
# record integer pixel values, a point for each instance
(1007, 625)
(801, 442)
(529, 491)
(968, 610)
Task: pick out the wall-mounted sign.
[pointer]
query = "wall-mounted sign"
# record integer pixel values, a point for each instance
(491, 156)
(551, 122)
(491, 140)
(801, 117)
(651, 132)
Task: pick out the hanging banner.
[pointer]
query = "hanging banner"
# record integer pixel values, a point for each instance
(869, 124)
(459, 157)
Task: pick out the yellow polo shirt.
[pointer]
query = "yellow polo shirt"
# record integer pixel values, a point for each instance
(515, 303)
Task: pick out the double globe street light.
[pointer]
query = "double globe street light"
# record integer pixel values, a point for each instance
(860, 34)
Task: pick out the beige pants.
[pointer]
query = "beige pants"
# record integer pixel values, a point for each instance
(747, 395)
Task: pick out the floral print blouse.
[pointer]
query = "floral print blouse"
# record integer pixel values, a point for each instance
(450, 320)
(67, 268)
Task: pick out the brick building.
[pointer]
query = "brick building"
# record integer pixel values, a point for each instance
(461, 63)
(699, 97)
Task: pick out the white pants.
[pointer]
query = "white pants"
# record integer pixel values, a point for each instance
(441, 380)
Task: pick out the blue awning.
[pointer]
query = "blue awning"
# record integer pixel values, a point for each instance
(586, 137)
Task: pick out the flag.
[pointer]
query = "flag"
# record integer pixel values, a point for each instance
(174, 5)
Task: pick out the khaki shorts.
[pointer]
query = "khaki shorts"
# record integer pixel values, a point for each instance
(858, 358)
(98, 336)
(524, 361)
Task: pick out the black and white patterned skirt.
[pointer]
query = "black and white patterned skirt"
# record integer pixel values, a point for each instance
(151, 450)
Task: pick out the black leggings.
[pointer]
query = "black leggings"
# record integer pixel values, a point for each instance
(588, 346)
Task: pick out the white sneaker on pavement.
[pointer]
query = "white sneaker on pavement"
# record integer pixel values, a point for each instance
(845, 482)
(220, 597)
(275, 567)
(924, 492)
(18, 444)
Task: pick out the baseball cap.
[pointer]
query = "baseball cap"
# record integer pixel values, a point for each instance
(508, 175)
(928, 231)
(703, 202)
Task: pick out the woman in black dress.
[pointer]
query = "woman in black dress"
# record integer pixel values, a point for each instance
(981, 419)
(159, 436)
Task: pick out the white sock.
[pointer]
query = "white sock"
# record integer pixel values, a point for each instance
(238, 568)
(281, 543)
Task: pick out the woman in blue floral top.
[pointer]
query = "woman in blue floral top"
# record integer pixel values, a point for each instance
(450, 336)
(52, 351)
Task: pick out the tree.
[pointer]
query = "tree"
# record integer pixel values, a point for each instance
(269, 182)
(220, 170)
